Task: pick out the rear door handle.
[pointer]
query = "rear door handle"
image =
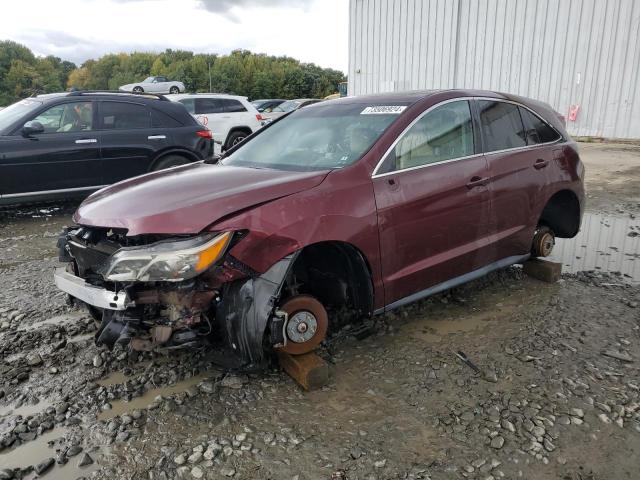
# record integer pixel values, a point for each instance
(477, 182)
(156, 137)
(87, 140)
(540, 163)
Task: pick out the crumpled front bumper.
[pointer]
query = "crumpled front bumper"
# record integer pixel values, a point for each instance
(90, 294)
(230, 305)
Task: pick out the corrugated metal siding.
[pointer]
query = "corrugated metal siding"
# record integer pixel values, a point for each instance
(564, 52)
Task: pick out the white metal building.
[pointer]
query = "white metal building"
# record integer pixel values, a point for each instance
(569, 53)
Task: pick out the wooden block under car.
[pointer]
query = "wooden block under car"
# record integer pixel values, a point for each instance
(543, 270)
(308, 369)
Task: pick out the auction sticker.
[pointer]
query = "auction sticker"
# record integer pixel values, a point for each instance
(383, 110)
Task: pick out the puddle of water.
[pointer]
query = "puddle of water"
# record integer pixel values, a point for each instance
(120, 406)
(604, 245)
(68, 471)
(25, 410)
(432, 329)
(115, 378)
(32, 452)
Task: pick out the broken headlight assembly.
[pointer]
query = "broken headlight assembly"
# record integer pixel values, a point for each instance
(166, 261)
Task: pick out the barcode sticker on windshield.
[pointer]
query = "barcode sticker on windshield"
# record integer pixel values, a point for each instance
(383, 110)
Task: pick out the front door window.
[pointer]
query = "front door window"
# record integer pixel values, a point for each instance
(442, 134)
(68, 117)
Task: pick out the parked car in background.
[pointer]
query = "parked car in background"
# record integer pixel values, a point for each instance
(266, 105)
(230, 118)
(290, 106)
(340, 211)
(69, 144)
(154, 85)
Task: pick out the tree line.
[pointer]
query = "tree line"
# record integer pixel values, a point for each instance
(241, 72)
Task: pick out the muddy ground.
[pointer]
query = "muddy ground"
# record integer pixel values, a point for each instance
(558, 395)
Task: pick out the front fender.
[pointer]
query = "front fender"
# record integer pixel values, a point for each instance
(245, 310)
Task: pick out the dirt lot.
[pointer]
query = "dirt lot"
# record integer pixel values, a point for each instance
(558, 395)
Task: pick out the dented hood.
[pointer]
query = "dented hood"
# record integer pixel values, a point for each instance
(188, 199)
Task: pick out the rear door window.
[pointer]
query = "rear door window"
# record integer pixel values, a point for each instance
(444, 133)
(537, 130)
(232, 106)
(190, 104)
(161, 119)
(208, 105)
(123, 116)
(501, 124)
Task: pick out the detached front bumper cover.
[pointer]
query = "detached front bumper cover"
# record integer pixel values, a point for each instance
(90, 294)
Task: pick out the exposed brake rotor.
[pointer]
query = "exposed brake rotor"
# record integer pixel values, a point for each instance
(306, 326)
(543, 242)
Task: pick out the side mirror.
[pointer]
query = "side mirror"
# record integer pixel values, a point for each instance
(31, 128)
(215, 158)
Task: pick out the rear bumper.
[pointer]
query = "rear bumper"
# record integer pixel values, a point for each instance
(90, 294)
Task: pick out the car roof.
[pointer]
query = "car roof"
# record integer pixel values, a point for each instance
(101, 94)
(413, 96)
(178, 96)
(47, 96)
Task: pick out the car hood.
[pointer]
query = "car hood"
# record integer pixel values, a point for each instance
(187, 199)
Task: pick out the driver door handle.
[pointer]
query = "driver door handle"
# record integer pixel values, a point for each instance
(477, 182)
(87, 140)
(540, 163)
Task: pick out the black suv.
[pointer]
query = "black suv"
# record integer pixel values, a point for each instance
(69, 144)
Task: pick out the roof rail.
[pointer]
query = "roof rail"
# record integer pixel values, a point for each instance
(117, 92)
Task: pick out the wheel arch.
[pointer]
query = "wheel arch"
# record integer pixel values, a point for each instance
(562, 213)
(238, 128)
(172, 151)
(336, 272)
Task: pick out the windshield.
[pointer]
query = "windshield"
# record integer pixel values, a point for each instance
(314, 138)
(16, 111)
(287, 106)
(148, 80)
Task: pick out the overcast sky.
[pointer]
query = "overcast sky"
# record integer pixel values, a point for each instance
(309, 30)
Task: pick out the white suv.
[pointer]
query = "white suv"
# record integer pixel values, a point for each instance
(230, 118)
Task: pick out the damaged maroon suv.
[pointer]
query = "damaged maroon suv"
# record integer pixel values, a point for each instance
(334, 213)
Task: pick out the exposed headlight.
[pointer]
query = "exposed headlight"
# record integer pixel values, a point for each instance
(167, 261)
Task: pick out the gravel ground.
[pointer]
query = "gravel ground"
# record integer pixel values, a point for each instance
(556, 394)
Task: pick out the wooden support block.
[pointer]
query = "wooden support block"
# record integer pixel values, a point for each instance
(308, 369)
(543, 270)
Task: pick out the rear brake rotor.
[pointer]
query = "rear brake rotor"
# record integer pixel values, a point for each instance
(543, 242)
(306, 326)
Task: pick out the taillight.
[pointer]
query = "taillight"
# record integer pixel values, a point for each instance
(259, 117)
(205, 134)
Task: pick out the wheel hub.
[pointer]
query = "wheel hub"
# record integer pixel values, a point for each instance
(301, 327)
(306, 325)
(547, 243)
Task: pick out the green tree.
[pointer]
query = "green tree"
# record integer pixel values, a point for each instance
(241, 72)
(158, 67)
